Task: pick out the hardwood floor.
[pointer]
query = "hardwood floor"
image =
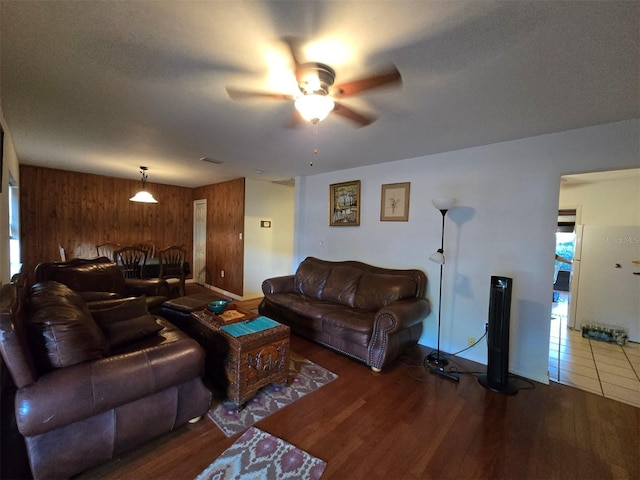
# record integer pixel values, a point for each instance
(405, 423)
(408, 424)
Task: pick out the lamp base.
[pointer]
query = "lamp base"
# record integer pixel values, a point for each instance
(437, 358)
(439, 370)
(507, 388)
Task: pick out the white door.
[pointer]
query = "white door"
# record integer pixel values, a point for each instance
(200, 241)
(609, 288)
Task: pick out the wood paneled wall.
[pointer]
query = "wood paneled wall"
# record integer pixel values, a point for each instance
(225, 234)
(80, 211)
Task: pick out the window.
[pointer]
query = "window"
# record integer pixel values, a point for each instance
(14, 226)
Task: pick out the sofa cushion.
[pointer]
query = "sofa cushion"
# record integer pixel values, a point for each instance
(376, 290)
(63, 333)
(341, 285)
(310, 278)
(351, 327)
(49, 293)
(90, 277)
(127, 322)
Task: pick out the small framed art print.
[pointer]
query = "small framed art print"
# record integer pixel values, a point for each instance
(394, 204)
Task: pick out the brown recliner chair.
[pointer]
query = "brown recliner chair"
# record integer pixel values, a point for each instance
(90, 387)
(99, 280)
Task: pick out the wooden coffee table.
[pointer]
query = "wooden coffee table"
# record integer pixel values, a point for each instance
(241, 364)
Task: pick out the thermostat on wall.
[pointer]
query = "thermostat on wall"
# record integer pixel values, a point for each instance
(265, 223)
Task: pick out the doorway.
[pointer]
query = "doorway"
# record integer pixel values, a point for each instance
(200, 241)
(603, 201)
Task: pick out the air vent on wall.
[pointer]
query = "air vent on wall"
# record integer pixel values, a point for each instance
(212, 160)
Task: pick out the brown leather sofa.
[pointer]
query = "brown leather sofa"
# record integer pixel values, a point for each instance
(101, 280)
(370, 313)
(91, 385)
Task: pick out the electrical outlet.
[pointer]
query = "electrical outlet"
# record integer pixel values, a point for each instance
(222, 273)
(471, 341)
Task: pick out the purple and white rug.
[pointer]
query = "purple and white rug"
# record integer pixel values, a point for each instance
(257, 454)
(304, 377)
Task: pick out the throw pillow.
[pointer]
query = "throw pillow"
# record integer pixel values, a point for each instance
(127, 322)
(126, 331)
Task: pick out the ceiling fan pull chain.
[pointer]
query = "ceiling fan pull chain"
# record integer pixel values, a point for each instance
(315, 150)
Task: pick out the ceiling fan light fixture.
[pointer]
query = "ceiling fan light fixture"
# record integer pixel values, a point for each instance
(314, 108)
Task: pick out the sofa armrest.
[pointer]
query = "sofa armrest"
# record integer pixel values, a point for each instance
(278, 285)
(395, 327)
(70, 394)
(400, 315)
(151, 287)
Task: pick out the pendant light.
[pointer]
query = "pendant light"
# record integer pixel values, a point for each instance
(143, 196)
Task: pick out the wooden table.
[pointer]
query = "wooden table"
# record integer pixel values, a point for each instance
(242, 365)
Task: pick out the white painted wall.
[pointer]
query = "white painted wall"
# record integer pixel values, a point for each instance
(605, 202)
(268, 252)
(505, 225)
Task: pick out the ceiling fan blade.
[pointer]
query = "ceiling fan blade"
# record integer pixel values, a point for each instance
(359, 118)
(237, 94)
(386, 77)
(293, 43)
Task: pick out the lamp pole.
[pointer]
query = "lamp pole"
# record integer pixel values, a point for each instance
(435, 357)
(436, 361)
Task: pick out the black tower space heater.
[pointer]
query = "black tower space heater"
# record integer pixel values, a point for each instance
(497, 376)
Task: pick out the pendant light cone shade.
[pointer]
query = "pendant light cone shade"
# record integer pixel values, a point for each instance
(143, 196)
(437, 257)
(314, 108)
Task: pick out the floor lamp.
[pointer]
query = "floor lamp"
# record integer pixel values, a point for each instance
(436, 360)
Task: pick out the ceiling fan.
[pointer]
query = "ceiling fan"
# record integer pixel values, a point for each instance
(318, 94)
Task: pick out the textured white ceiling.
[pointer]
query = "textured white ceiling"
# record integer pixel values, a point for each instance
(104, 87)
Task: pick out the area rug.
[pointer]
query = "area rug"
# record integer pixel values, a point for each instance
(304, 377)
(260, 455)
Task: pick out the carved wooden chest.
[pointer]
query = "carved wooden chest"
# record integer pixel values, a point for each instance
(243, 364)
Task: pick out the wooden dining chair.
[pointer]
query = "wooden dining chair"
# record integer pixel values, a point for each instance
(107, 250)
(172, 269)
(131, 260)
(149, 247)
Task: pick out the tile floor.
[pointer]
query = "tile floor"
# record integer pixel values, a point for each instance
(599, 367)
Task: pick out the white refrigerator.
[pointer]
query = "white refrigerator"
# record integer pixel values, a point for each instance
(605, 287)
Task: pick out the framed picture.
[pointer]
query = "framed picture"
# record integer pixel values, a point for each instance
(394, 204)
(344, 200)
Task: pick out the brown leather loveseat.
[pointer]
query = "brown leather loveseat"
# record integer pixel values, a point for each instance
(100, 280)
(369, 313)
(93, 384)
